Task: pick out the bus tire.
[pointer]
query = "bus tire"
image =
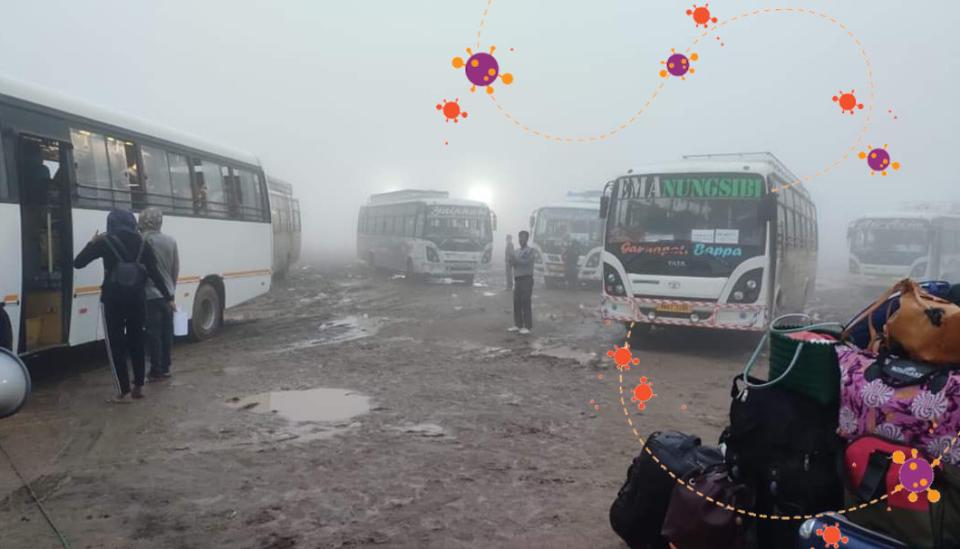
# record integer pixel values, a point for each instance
(207, 313)
(6, 331)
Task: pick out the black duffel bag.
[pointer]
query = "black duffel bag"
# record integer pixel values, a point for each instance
(785, 447)
(641, 505)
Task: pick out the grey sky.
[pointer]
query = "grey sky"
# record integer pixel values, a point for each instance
(338, 97)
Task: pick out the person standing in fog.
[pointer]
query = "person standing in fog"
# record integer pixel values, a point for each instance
(159, 314)
(508, 255)
(522, 262)
(127, 262)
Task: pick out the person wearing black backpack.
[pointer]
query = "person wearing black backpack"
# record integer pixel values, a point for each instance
(127, 262)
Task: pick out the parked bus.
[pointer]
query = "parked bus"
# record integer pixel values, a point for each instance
(886, 247)
(285, 217)
(553, 225)
(426, 234)
(64, 165)
(704, 242)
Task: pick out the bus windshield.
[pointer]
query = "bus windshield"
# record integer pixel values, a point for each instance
(554, 225)
(889, 241)
(457, 222)
(703, 225)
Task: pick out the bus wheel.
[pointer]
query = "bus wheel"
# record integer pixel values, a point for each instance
(639, 332)
(6, 331)
(207, 313)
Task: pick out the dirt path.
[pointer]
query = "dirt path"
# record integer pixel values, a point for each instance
(473, 437)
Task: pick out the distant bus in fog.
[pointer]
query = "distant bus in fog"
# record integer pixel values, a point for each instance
(576, 218)
(426, 234)
(704, 242)
(285, 218)
(886, 247)
(65, 165)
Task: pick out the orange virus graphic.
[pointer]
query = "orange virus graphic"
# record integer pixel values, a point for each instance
(701, 15)
(847, 101)
(623, 357)
(879, 160)
(832, 536)
(482, 69)
(642, 393)
(451, 110)
(916, 475)
(678, 65)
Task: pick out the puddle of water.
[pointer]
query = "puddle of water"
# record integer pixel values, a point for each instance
(541, 348)
(423, 429)
(320, 405)
(338, 331)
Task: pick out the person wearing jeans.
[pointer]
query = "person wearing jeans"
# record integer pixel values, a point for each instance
(508, 254)
(522, 262)
(159, 315)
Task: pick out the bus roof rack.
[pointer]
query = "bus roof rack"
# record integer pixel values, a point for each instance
(406, 194)
(761, 156)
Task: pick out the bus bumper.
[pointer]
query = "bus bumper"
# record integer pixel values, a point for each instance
(752, 318)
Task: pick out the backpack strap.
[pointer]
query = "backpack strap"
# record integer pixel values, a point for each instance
(120, 257)
(873, 483)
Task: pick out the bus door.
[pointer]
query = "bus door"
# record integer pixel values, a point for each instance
(43, 168)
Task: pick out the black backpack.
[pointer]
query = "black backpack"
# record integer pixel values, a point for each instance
(783, 445)
(641, 505)
(128, 277)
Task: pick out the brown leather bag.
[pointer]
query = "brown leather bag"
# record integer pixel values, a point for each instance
(926, 327)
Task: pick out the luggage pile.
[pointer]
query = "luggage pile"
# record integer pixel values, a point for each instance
(856, 433)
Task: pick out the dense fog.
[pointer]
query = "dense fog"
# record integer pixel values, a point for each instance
(339, 98)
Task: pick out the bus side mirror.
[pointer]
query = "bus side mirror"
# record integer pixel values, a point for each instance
(494, 216)
(767, 209)
(14, 383)
(604, 206)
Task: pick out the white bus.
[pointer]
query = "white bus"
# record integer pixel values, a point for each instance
(576, 218)
(704, 242)
(426, 233)
(285, 216)
(64, 165)
(886, 247)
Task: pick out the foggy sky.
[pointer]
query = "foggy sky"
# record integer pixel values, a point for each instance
(339, 97)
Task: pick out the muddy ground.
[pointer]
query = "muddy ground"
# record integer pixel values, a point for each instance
(446, 431)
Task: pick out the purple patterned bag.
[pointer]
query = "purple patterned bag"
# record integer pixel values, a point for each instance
(913, 414)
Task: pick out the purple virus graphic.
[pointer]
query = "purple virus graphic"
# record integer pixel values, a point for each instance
(678, 65)
(879, 160)
(482, 69)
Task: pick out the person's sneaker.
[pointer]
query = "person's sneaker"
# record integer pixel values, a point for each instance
(524, 331)
(513, 329)
(119, 399)
(137, 392)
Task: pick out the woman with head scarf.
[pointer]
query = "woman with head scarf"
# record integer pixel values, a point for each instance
(122, 249)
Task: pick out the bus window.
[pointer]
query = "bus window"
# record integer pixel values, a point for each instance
(249, 195)
(211, 199)
(156, 178)
(121, 157)
(93, 174)
(409, 225)
(231, 191)
(180, 183)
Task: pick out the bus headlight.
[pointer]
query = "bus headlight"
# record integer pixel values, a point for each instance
(613, 284)
(486, 256)
(593, 260)
(432, 255)
(747, 289)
